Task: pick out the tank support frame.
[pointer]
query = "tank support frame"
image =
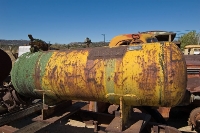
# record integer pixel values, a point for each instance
(127, 121)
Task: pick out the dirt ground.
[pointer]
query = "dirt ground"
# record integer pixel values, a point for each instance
(73, 124)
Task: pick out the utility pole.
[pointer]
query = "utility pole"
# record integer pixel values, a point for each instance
(104, 38)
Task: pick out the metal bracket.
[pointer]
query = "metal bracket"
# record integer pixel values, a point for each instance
(126, 120)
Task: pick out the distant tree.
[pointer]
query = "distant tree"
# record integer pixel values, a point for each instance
(190, 38)
(87, 41)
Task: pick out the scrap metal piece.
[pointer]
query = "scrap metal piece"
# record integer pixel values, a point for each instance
(4, 119)
(113, 108)
(46, 113)
(193, 73)
(136, 123)
(39, 124)
(132, 39)
(7, 129)
(164, 129)
(37, 44)
(194, 118)
(127, 121)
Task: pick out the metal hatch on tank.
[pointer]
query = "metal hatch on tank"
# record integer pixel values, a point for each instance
(143, 75)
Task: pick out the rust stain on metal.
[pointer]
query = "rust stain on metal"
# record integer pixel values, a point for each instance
(118, 74)
(92, 67)
(172, 66)
(105, 53)
(148, 76)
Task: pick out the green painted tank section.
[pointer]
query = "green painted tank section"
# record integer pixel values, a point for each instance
(37, 61)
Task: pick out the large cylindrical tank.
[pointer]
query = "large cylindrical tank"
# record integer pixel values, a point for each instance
(143, 75)
(5, 65)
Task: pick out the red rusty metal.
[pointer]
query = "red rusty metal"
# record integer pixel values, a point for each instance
(113, 108)
(100, 106)
(7, 129)
(193, 84)
(164, 129)
(194, 118)
(193, 72)
(192, 60)
(164, 111)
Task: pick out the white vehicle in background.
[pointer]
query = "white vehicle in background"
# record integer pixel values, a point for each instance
(23, 49)
(192, 50)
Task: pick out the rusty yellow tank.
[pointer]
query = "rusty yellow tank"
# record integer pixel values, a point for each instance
(143, 75)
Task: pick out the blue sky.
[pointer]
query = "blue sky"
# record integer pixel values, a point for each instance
(65, 21)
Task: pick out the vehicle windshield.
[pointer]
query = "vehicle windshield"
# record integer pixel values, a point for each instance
(196, 51)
